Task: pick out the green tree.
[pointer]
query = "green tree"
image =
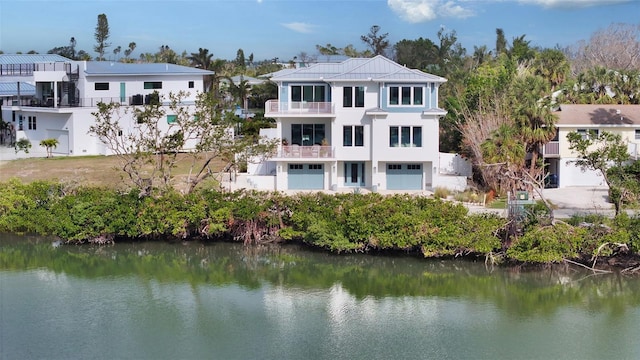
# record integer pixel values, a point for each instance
(600, 153)
(552, 65)
(418, 54)
(240, 62)
(203, 60)
(501, 42)
(49, 144)
(129, 50)
(378, 43)
(101, 35)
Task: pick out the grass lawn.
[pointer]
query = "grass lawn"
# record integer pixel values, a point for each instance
(83, 170)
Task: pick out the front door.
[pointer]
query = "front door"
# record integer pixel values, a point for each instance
(354, 174)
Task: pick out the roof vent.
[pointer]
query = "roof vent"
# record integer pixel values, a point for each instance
(618, 111)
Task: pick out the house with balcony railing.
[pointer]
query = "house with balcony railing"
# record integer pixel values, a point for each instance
(588, 120)
(361, 123)
(50, 96)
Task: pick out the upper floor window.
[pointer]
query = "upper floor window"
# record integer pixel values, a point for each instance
(588, 133)
(353, 135)
(191, 84)
(406, 95)
(405, 136)
(307, 134)
(101, 86)
(353, 96)
(308, 93)
(153, 84)
(637, 134)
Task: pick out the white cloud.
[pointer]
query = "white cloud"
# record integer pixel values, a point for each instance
(415, 11)
(299, 27)
(573, 3)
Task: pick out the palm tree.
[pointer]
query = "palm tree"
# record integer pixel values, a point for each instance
(626, 86)
(552, 64)
(600, 79)
(532, 113)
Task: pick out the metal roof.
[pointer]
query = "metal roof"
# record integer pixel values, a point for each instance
(11, 89)
(378, 68)
(598, 115)
(118, 68)
(14, 59)
(250, 80)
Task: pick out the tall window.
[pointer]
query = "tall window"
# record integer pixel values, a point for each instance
(405, 136)
(153, 84)
(307, 134)
(347, 96)
(32, 122)
(637, 136)
(353, 135)
(353, 96)
(308, 93)
(406, 95)
(101, 86)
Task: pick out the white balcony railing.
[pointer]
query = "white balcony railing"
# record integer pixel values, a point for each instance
(277, 107)
(305, 152)
(552, 148)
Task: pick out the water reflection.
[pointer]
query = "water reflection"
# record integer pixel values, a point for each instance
(158, 300)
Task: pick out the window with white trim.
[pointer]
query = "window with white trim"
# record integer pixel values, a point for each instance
(406, 95)
(405, 136)
(637, 134)
(353, 135)
(588, 133)
(308, 93)
(353, 96)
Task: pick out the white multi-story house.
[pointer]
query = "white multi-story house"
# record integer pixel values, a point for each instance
(586, 120)
(364, 122)
(49, 96)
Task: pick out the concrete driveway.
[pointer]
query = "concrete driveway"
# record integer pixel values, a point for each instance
(570, 201)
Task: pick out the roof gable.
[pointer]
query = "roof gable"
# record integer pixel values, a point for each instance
(594, 115)
(378, 68)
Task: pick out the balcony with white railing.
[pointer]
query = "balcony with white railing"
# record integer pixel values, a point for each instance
(294, 108)
(551, 149)
(286, 152)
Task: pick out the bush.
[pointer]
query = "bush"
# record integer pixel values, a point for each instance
(441, 193)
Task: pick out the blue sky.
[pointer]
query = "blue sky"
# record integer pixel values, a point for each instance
(284, 28)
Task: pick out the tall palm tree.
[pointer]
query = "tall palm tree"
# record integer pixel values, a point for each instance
(552, 64)
(533, 116)
(203, 60)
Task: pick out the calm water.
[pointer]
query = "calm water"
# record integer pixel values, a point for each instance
(222, 301)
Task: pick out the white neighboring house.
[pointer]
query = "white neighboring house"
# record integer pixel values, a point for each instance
(60, 95)
(584, 119)
(361, 123)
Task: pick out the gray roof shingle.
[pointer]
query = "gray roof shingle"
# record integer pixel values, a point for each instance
(598, 115)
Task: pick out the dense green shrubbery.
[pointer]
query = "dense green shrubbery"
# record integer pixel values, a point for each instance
(340, 222)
